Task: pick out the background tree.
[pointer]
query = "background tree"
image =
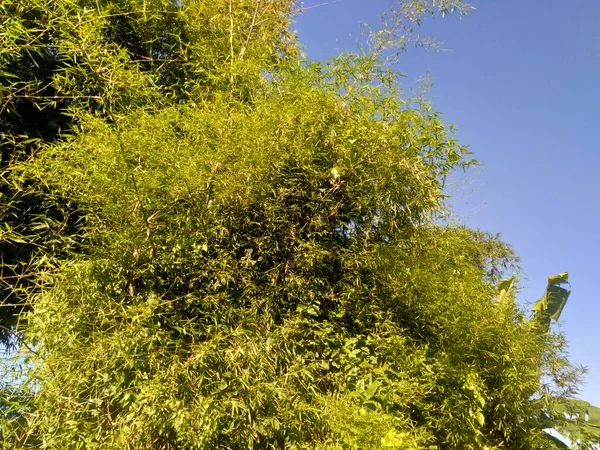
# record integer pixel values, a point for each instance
(259, 259)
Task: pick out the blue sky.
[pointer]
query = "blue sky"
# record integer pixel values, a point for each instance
(522, 85)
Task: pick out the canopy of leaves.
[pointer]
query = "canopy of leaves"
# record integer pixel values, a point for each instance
(106, 57)
(256, 259)
(580, 422)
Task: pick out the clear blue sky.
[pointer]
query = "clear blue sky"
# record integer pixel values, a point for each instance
(522, 85)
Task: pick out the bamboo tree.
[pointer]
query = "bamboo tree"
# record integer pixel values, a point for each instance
(257, 259)
(59, 60)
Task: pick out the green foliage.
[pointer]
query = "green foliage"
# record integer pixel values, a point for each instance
(580, 421)
(258, 259)
(550, 306)
(59, 60)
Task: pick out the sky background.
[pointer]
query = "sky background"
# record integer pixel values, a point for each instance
(522, 85)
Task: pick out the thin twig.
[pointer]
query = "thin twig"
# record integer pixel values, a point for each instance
(231, 43)
(320, 4)
(243, 50)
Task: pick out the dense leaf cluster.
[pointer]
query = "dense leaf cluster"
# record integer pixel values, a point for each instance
(60, 59)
